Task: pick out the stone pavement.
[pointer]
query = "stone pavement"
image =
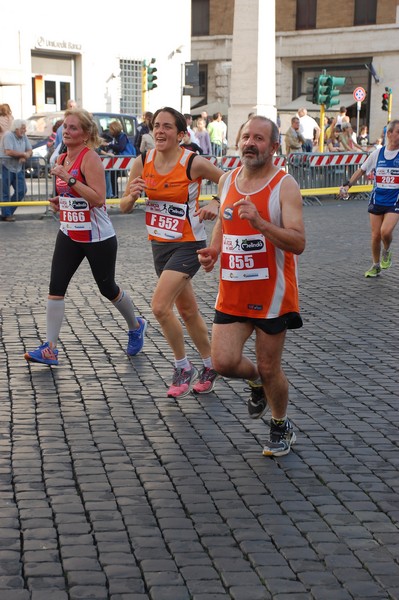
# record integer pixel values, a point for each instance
(109, 490)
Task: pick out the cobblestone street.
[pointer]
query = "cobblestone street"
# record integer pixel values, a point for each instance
(111, 491)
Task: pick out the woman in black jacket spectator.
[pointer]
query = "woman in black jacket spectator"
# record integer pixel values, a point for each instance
(117, 146)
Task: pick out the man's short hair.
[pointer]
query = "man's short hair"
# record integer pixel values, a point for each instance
(17, 124)
(392, 124)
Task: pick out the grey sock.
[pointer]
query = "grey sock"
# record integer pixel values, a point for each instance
(55, 316)
(125, 307)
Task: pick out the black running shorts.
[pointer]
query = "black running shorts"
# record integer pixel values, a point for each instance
(290, 320)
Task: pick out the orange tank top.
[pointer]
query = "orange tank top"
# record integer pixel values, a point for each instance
(172, 201)
(257, 280)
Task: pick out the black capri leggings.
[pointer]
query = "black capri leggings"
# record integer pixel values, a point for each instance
(68, 255)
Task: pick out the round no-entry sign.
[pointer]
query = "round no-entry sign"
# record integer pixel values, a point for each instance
(359, 94)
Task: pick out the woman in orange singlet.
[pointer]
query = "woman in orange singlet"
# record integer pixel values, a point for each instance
(171, 178)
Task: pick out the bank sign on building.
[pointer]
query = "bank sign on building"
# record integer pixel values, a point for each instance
(94, 56)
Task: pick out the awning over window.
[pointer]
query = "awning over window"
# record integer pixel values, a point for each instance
(211, 109)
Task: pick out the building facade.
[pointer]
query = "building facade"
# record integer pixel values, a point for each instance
(99, 62)
(355, 39)
(94, 59)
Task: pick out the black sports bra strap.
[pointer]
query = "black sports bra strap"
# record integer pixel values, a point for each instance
(189, 163)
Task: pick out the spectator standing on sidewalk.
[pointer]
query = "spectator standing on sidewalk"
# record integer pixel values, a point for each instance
(15, 149)
(190, 131)
(147, 140)
(258, 234)
(342, 117)
(206, 117)
(86, 231)
(189, 145)
(384, 202)
(6, 119)
(347, 141)
(294, 141)
(119, 145)
(203, 137)
(217, 130)
(51, 139)
(363, 138)
(333, 141)
(175, 227)
(142, 128)
(309, 130)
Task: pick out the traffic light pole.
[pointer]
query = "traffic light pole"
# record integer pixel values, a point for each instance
(143, 87)
(389, 107)
(321, 138)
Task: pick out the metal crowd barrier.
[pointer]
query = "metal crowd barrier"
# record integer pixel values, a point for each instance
(318, 174)
(40, 183)
(37, 182)
(320, 170)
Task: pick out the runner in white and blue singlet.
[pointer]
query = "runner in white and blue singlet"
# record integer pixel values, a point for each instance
(384, 201)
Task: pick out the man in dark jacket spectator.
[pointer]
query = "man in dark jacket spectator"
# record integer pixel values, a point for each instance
(144, 127)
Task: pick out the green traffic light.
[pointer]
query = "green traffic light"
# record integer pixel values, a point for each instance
(337, 81)
(323, 89)
(332, 92)
(151, 77)
(312, 90)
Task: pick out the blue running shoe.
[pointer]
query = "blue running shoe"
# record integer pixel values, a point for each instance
(136, 337)
(43, 354)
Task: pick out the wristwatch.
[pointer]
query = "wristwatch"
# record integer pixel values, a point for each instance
(71, 181)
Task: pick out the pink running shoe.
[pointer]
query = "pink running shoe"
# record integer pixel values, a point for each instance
(206, 381)
(182, 382)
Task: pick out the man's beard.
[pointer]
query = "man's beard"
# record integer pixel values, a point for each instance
(254, 160)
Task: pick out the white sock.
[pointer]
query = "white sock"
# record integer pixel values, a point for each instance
(55, 316)
(207, 362)
(183, 363)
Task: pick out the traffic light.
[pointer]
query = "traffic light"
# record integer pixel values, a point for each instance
(317, 93)
(312, 89)
(385, 99)
(150, 75)
(324, 89)
(333, 91)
